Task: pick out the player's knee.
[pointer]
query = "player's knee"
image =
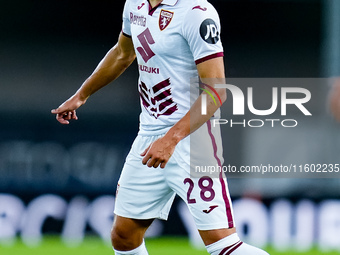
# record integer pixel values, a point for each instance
(122, 240)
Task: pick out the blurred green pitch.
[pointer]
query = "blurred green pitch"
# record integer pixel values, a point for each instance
(157, 246)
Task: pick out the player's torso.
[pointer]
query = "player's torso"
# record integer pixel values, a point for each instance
(168, 40)
(164, 59)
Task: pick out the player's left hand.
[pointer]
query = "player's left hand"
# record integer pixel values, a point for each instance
(159, 152)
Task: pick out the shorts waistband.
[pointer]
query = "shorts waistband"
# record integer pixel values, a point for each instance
(153, 131)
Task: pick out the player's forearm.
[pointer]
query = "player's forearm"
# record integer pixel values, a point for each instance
(197, 119)
(110, 68)
(211, 72)
(194, 119)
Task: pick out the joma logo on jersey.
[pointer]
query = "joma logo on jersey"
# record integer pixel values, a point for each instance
(137, 20)
(165, 18)
(158, 100)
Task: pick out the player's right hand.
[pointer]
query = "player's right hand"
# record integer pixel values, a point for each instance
(67, 111)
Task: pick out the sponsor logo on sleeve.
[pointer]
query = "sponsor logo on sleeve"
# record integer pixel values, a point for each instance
(209, 31)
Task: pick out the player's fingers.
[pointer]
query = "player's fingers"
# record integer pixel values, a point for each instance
(146, 159)
(163, 164)
(74, 115)
(61, 119)
(157, 164)
(152, 162)
(145, 151)
(59, 110)
(66, 116)
(69, 116)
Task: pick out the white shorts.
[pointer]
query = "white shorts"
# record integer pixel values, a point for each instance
(147, 193)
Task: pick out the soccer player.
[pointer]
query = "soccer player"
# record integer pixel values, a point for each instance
(173, 41)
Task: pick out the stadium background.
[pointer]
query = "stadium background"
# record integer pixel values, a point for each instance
(62, 179)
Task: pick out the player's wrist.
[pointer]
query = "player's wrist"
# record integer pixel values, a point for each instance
(81, 96)
(174, 136)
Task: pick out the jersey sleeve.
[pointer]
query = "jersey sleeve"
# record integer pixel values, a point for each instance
(202, 30)
(126, 27)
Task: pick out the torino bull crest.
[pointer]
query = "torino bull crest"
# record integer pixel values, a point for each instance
(165, 18)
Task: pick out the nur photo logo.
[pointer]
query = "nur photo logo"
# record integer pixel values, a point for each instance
(281, 99)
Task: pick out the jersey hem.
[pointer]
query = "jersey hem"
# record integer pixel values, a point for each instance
(154, 132)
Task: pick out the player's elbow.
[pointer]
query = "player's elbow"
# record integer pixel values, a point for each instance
(126, 58)
(131, 57)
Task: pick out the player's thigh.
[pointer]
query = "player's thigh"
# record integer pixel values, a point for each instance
(208, 201)
(206, 193)
(142, 192)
